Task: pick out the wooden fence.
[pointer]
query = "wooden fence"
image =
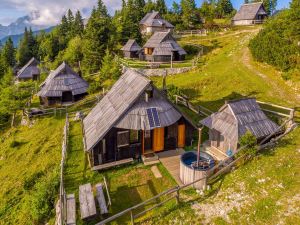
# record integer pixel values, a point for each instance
(202, 32)
(61, 207)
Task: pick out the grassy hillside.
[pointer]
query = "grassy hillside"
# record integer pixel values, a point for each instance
(29, 156)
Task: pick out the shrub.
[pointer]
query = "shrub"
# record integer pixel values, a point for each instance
(249, 140)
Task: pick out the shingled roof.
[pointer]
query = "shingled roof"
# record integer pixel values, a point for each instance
(30, 69)
(236, 117)
(61, 80)
(153, 19)
(165, 43)
(124, 106)
(249, 11)
(131, 46)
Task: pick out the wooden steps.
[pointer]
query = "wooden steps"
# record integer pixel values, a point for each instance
(112, 164)
(216, 153)
(71, 209)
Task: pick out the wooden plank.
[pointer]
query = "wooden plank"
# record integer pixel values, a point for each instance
(101, 199)
(112, 164)
(71, 209)
(87, 201)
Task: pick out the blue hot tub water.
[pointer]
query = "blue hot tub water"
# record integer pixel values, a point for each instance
(189, 158)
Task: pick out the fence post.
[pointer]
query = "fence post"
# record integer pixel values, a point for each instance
(177, 196)
(132, 217)
(176, 100)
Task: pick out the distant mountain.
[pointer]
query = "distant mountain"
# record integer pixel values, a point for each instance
(19, 25)
(16, 38)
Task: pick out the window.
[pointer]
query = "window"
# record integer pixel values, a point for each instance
(122, 138)
(134, 136)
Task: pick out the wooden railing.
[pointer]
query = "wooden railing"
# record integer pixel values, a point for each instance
(62, 205)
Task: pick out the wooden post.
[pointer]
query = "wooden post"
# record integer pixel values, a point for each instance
(176, 100)
(132, 218)
(199, 146)
(177, 196)
(172, 60)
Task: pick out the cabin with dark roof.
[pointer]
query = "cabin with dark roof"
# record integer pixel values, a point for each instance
(162, 47)
(62, 86)
(153, 22)
(233, 120)
(133, 119)
(249, 14)
(30, 71)
(131, 49)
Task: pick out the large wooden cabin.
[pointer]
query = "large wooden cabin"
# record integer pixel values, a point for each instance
(249, 14)
(153, 22)
(62, 86)
(30, 71)
(233, 120)
(133, 119)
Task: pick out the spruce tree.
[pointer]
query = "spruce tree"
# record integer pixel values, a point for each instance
(24, 53)
(161, 7)
(189, 14)
(96, 38)
(78, 24)
(8, 54)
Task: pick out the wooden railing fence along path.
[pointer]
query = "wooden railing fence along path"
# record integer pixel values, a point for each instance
(61, 207)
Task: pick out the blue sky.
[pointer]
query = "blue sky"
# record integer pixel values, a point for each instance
(51, 10)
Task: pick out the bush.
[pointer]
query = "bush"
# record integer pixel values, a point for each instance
(42, 203)
(249, 140)
(173, 90)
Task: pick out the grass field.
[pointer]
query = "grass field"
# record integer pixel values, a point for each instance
(28, 156)
(128, 185)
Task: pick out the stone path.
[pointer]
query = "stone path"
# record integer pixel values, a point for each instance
(171, 161)
(156, 172)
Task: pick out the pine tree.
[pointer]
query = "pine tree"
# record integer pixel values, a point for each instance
(161, 7)
(189, 14)
(149, 6)
(224, 8)
(8, 54)
(24, 53)
(78, 24)
(111, 69)
(96, 38)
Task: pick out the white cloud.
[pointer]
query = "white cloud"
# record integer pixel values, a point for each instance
(51, 11)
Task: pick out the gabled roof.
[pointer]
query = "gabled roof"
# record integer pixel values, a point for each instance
(236, 117)
(153, 19)
(30, 69)
(63, 79)
(249, 11)
(113, 105)
(124, 106)
(131, 46)
(165, 42)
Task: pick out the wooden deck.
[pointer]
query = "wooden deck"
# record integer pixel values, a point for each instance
(112, 164)
(171, 161)
(87, 202)
(101, 199)
(71, 209)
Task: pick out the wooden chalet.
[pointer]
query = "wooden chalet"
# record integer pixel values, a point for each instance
(30, 71)
(162, 47)
(153, 22)
(62, 86)
(250, 13)
(233, 120)
(131, 49)
(133, 119)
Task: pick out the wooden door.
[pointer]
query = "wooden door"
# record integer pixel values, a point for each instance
(181, 135)
(158, 139)
(147, 141)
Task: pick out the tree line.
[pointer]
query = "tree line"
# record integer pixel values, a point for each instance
(278, 43)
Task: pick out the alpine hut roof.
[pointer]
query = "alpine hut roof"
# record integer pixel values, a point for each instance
(153, 19)
(124, 106)
(236, 117)
(131, 46)
(249, 11)
(165, 43)
(63, 79)
(30, 69)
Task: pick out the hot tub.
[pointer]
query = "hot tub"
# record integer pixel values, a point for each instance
(190, 172)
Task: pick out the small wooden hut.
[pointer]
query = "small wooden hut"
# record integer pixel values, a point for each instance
(30, 71)
(134, 118)
(162, 47)
(131, 49)
(62, 86)
(233, 120)
(249, 14)
(153, 22)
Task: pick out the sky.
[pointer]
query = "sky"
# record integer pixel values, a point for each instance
(52, 10)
